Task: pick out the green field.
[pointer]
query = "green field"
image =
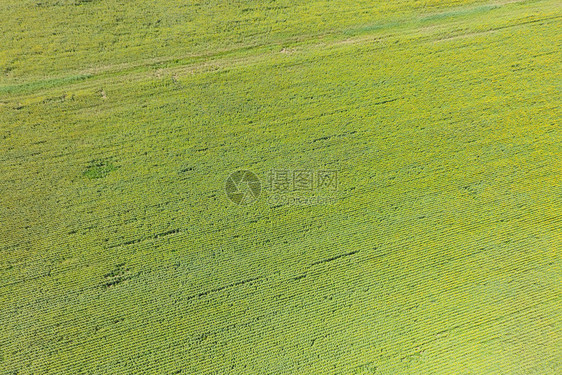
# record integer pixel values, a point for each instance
(438, 253)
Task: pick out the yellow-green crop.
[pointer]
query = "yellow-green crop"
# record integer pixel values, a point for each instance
(120, 252)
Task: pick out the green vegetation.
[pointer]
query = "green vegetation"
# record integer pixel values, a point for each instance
(99, 169)
(120, 252)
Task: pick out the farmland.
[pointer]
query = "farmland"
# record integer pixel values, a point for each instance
(439, 253)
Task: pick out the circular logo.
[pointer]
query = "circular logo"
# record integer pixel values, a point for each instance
(243, 187)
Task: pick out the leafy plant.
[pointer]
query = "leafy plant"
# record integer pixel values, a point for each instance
(99, 169)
